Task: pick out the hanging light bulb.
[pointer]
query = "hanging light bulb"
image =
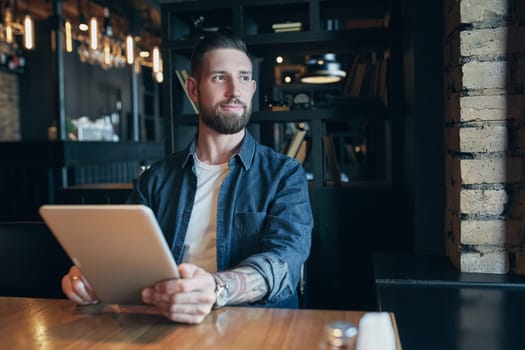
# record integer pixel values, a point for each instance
(8, 20)
(159, 77)
(28, 32)
(108, 29)
(9, 34)
(13, 27)
(107, 52)
(83, 26)
(93, 33)
(130, 50)
(156, 60)
(69, 36)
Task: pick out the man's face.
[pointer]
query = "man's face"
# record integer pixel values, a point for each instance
(225, 90)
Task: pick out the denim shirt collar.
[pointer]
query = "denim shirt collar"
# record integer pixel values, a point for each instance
(245, 153)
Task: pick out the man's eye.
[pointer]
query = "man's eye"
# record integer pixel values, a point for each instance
(245, 78)
(218, 77)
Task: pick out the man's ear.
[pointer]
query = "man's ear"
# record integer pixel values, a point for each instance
(191, 88)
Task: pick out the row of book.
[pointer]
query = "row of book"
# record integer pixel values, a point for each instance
(367, 76)
(299, 148)
(353, 157)
(354, 23)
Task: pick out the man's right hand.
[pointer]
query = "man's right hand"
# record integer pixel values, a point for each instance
(77, 288)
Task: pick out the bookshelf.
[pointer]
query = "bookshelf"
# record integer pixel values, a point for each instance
(357, 32)
(363, 50)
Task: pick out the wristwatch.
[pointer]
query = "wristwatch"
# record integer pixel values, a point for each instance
(220, 292)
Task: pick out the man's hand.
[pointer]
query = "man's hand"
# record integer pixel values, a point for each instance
(188, 299)
(77, 288)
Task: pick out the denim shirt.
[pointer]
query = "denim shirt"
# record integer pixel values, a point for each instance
(264, 217)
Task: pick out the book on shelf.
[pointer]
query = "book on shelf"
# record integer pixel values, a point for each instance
(386, 20)
(331, 157)
(182, 75)
(367, 85)
(298, 29)
(296, 142)
(372, 76)
(382, 79)
(287, 25)
(302, 152)
(350, 75)
(185, 74)
(358, 78)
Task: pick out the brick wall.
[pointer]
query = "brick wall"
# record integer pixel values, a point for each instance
(485, 134)
(9, 110)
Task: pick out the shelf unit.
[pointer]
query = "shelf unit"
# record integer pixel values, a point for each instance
(184, 23)
(151, 121)
(324, 30)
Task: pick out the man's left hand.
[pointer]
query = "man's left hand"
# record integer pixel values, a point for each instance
(188, 299)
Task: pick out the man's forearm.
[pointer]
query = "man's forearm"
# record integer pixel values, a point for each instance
(240, 285)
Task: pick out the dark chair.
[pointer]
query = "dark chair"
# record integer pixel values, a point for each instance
(32, 262)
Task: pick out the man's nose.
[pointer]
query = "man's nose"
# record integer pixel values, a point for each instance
(234, 89)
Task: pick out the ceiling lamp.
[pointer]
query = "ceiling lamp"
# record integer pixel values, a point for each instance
(323, 70)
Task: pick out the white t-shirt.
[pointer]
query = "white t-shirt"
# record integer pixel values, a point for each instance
(201, 245)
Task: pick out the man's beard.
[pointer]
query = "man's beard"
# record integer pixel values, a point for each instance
(226, 123)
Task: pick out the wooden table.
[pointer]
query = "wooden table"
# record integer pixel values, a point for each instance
(28, 323)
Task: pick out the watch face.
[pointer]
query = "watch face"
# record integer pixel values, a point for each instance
(220, 294)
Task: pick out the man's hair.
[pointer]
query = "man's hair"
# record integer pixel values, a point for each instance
(214, 42)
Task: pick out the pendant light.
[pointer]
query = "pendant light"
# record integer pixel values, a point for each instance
(29, 33)
(156, 60)
(93, 33)
(130, 50)
(82, 23)
(323, 70)
(69, 36)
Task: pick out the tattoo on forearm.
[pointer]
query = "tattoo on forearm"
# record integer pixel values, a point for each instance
(243, 285)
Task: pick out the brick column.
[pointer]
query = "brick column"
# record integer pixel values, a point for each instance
(9, 108)
(485, 134)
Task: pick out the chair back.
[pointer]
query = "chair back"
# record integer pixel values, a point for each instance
(32, 262)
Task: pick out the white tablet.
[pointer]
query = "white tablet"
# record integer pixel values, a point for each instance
(120, 249)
